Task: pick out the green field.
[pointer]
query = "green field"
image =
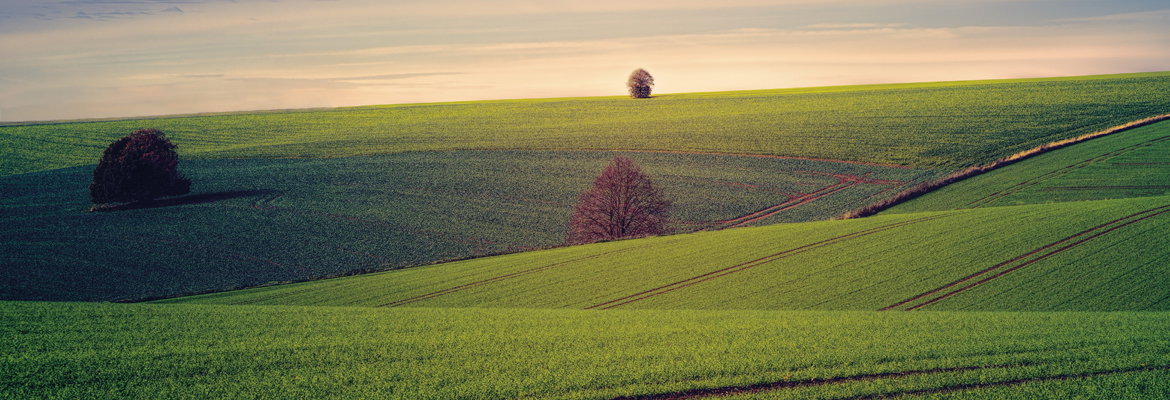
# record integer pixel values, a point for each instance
(862, 264)
(99, 351)
(1042, 279)
(1123, 165)
(945, 125)
(251, 222)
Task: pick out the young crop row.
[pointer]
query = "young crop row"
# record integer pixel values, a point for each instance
(251, 222)
(91, 351)
(862, 264)
(1121, 165)
(935, 125)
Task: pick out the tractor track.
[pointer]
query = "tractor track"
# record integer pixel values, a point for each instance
(991, 198)
(782, 385)
(750, 264)
(1029, 258)
(772, 386)
(1130, 187)
(1011, 382)
(844, 181)
(500, 278)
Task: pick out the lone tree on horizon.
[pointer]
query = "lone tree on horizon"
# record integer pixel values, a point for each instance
(138, 167)
(622, 203)
(640, 83)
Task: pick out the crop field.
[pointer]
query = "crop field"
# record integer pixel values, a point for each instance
(441, 227)
(945, 125)
(1134, 163)
(92, 351)
(1082, 256)
(251, 222)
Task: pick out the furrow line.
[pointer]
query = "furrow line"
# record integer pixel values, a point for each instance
(1093, 233)
(746, 265)
(802, 201)
(772, 386)
(844, 181)
(1130, 187)
(1066, 170)
(463, 287)
(1012, 382)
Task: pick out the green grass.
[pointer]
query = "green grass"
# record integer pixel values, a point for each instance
(250, 222)
(783, 311)
(82, 351)
(930, 125)
(862, 264)
(1128, 164)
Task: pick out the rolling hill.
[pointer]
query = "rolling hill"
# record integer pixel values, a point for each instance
(1102, 255)
(1067, 252)
(252, 222)
(1042, 279)
(946, 125)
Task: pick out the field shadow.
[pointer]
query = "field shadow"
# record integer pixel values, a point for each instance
(201, 198)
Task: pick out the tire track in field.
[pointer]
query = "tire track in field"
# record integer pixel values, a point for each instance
(991, 198)
(1130, 187)
(774, 386)
(504, 277)
(777, 386)
(1027, 259)
(844, 181)
(1010, 382)
(753, 263)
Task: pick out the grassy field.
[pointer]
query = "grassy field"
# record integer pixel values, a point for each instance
(1068, 252)
(1045, 279)
(251, 222)
(1122, 165)
(928, 125)
(92, 351)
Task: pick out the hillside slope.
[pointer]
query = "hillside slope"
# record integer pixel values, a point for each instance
(1133, 163)
(944, 125)
(1083, 256)
(250, 222)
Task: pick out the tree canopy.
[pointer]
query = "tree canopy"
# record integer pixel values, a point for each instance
(623, 202)
(141, 167)
(640, 83)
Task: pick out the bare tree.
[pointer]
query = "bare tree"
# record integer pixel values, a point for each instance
(622, 203)
(640, 83)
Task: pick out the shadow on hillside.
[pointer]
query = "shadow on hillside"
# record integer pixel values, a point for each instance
(201, 198)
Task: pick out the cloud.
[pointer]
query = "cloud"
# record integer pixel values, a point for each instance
(856, 26)
(251, 54)
(1146, 16)
(390, 76)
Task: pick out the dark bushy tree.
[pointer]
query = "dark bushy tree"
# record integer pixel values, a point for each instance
(622, 203)
(640, 83)
(138, 167)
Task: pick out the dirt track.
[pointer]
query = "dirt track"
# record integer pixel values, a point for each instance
(797, 199)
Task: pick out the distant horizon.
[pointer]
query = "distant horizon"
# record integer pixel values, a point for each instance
(310, 109)
(106, 59)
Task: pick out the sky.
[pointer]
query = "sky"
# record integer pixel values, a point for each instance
(123, 58)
